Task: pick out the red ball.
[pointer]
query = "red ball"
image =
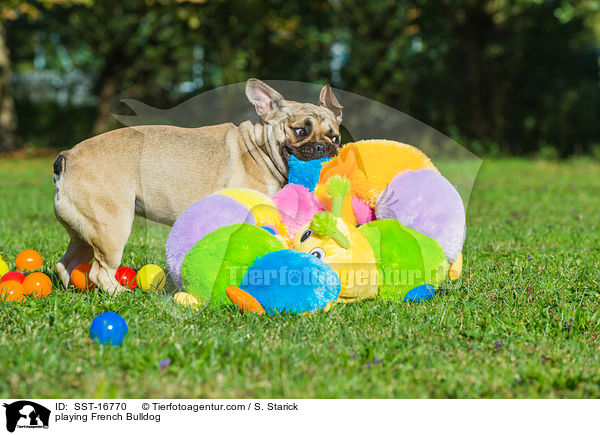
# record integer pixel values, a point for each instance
(13, 276)
(126, 277)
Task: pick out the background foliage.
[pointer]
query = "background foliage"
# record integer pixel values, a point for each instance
(509, 76)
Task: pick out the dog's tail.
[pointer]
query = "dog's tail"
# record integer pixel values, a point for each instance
(59, 166)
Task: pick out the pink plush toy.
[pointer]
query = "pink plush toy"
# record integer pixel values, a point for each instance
(297, 206)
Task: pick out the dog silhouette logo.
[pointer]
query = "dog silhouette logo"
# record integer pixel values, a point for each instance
(26, 414)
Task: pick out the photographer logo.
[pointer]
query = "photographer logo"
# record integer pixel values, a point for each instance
(25, 414)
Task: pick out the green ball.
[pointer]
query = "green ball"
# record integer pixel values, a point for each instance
(406, 258)
(221, 258)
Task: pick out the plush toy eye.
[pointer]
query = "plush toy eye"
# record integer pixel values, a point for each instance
(335, 139)
(306, 235)
(300, 132)
(318, 252)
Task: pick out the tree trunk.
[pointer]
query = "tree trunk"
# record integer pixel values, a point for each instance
(107, 93)
(8, 117)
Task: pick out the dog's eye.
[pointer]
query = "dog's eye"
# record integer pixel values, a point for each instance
(300, 132)
(306, 235)
(318, 252)
(335, 139)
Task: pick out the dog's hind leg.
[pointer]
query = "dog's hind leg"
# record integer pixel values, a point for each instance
(77, 252)
(109, 233)
(108, 252)
(98, 221)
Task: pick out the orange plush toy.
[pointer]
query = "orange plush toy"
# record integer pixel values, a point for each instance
(370, 165)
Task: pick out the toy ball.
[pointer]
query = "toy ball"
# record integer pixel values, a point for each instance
(37, 283)
(151, 277)
(222, 257)
(13, 276)
(12, 291)
(126, 277)
(427, 202)
(109, 328)
(421, 293)
(201, 218)
(28, 260)
(80, 277)
(287, 281)
(187, 300)
(3, 268)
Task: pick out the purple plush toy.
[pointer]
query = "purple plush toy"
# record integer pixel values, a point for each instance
(426, 202)
(201, 218)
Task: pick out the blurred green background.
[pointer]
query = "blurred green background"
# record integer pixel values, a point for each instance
(502, 77)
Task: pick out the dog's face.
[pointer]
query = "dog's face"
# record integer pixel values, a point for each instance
(304, 130)
(312, 133)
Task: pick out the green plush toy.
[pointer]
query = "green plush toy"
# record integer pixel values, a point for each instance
(221, 258)
(405, 258)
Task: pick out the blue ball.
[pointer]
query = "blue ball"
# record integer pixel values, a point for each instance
(109, 328)
(421, 293)
(292, 282)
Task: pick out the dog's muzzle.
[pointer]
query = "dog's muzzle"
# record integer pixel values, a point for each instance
(315, 150)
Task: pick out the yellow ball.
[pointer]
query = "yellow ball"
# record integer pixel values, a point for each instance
(3, 267)
(187, 300)
(151, 277)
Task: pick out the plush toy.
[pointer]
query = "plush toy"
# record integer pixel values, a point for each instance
(411, 226)
(200, 219)
(381, 257)
(297, 206)
(426, 202)
(370, 165)
(305, 173)
(287, 281)
(221, 258)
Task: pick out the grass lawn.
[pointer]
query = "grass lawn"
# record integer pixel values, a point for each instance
(524, 321)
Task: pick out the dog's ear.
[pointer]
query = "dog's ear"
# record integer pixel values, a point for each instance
(264, 97)
(327, 99)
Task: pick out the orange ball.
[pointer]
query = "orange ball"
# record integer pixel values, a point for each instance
(37, 283)
(28, 260)
(12, 291)
(80, 277)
